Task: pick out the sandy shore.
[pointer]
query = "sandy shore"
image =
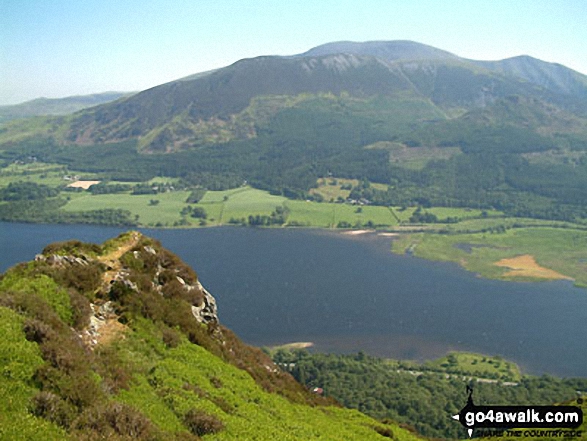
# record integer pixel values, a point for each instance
(296, 345)
(526, 266)
(83, 184)
(357, 232)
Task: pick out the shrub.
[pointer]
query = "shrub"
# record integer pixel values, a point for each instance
(72, 247)
(52, 408)
(40, 286)
(79, 387)
(216, 382)
(384, 431)
(113, 369)
(36, 331)
(171, 338)
(201, 423)
(81, 310)
(116, 419)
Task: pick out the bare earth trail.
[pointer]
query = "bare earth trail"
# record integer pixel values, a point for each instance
(112, 259)
(104, 326)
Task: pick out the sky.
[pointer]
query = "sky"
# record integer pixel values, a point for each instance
(58, 48)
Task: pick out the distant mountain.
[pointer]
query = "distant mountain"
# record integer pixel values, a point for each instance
(554, 77)
(57, 106)
(551, 76)
(386, 50)
(236, 101)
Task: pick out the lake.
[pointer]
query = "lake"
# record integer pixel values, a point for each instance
(350, 293)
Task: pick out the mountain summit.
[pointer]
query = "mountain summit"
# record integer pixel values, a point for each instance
(386, 50)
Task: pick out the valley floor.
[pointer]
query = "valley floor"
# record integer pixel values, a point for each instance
(484, 241)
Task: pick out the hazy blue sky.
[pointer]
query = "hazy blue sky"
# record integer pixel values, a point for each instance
(56, 48)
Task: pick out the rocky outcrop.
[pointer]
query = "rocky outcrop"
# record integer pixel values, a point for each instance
(206, 312)
(128, 265)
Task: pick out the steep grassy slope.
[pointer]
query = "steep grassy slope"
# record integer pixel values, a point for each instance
(120, 341)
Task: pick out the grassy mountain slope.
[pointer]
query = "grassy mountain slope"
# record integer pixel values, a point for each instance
(551, 76)
(120, 341)
(216, 106)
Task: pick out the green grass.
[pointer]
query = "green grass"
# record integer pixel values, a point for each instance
(37, 172)
(329, 215)
(461, 213)
(562, 250)
(19, 360)
(330, 188)
(311, 213)
(242, 202)
(250, 202)
(476, 365)
(238, 203)
(43, 286)
(166, 212)
(442, 213)
(176, 380)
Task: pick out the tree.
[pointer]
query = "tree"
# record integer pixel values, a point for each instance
(199, 213)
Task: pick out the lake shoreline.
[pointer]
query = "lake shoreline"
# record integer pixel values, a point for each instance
(349, 293)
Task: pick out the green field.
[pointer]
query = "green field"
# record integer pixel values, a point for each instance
(476, 365)
(563, 250)
(37, 172)
(236, 204)
(414, 158)
(166, 212)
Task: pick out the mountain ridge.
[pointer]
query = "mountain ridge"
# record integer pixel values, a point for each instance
(171, 115)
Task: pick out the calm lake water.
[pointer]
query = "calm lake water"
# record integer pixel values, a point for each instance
(347, 294)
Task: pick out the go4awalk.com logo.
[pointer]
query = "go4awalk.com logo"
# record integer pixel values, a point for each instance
(528, 421)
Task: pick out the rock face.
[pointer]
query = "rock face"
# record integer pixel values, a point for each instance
(206, 312)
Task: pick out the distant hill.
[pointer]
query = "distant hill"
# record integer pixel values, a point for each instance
(57, 106)
(551, 76)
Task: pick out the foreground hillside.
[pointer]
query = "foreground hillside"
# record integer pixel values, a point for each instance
(121, 341)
